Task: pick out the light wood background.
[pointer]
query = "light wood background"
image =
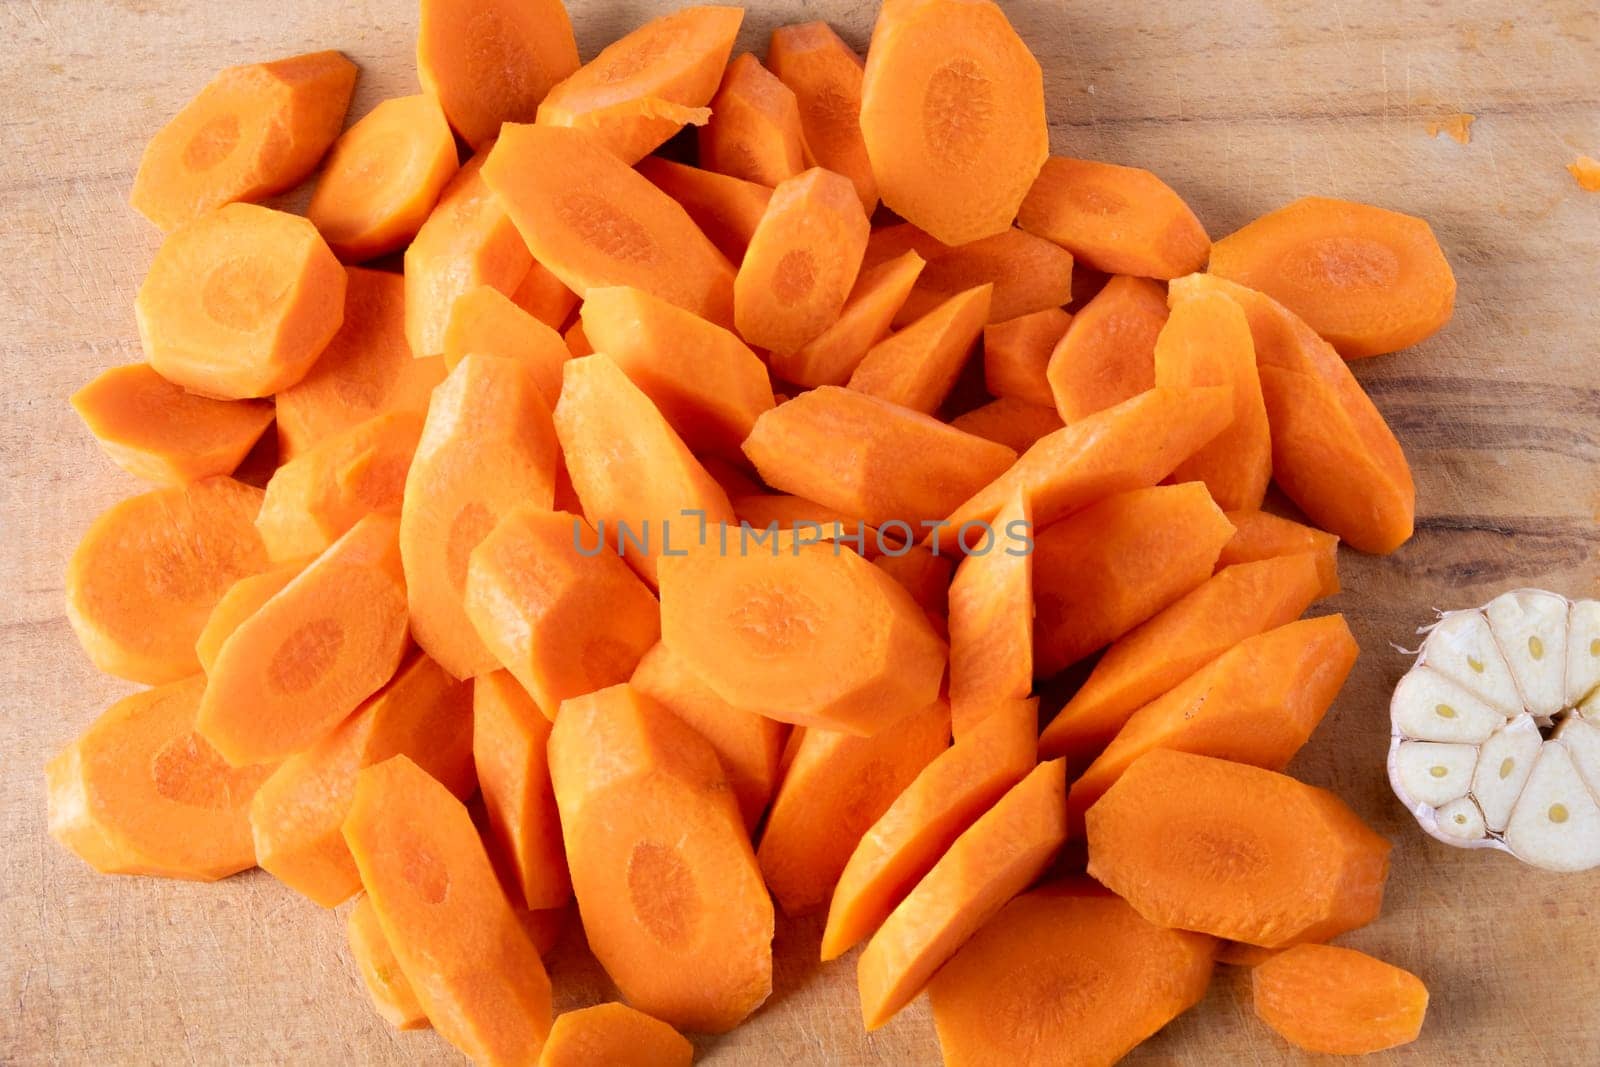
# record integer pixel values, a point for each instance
(1241, 105)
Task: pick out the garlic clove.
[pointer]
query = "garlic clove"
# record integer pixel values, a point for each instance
(1582, 738)
(1461, 647)
(1530, 626)
(1556, 823)
(1583, 651)
(1461, 820)
(1435, 773)
(1504, 763)
(1428, 706)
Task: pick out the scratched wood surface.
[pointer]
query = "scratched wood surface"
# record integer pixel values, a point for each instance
(1241, 105)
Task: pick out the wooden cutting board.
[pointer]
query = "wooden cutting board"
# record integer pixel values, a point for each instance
(1242, 106)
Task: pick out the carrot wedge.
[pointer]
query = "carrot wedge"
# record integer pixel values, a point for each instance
(1338, 1001)
(614, 1034)
(1028, 273)
(1016, 424)
(487, 322)
(1261, 535)
(509, 738)
(991, 623)
(754, 132)
(391, 994)
(1016, 355)
(917, 367)
(476, 975)
(992, 861)
(241, 601)
(830, 357)
(825, 77)
(1107, 354)
(727, 209)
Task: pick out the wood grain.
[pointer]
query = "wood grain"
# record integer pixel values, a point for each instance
(1242, 106)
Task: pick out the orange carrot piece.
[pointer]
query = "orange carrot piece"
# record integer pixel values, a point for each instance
(727, 209)
(830, 357)
(148, 571)
(440, 907)
(1585, 170)
(918, 366)
(1237, 603)
(1257, 703)
(614, 1034)
(1338, 1001)
(926, 576)
(593, 221)
(492, 61)
(1120, 220)
(159, 432)
(1261, 535)
(959, 163)
(391, 994)
(485, 321)
(644, 87)
(1167, 838)
(1368, 280)
(668, 888)
(825, 76)
(870, 458)
(957, 786)
(707, 384)
(140, 792)
(509, 735)
(786, 514)
(543, 296)
(1016, 355)
(1028, 273)
(252, 132)
(1014, 423)
(562, 613)
(488, 446)
(992, 861)
(297, 813)
(754, 132)
(1107, 354)
(241, 601)
(240, 302)
(577, 341)
(834, 788)
(1098, 980)
(1332, 452)
(991, 621)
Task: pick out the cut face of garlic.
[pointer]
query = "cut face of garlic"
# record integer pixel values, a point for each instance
(1496, 730)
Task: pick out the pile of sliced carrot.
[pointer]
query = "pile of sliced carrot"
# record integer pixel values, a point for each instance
(658, 539)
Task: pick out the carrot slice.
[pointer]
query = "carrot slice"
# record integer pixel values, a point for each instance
(1028, 273)
(1107, 354)
(957, 786)
(563, 617)
(1368, 280)
(440, 907)
(140, 792)
(593, 221)
(1239, 602)
(834, 788)
(1257, 703)
(492, 61)
(308, 657)
(870, 458)
(755, 625)
(670, 895)
(252, 132)
(1095, 981)
(727, 209)
(509, 735)
(991, 621)
(148, 571)
(391, 994)
(488, 446)
(748, 745)
(240, 302)
(159, 432)
(614, 1034)
(1261, 535)
(241, 601)
(1014, 423)
(992, 861)
(1111, 566)
(1338, 1001)
(825, 76)
(801, 263)
(754, 132)
(926, 576)
(1016, 355)
(1171, 838)
(706, 382)
(297, 813)
(1332, 453)
(830, 357)
(918, 366)
(1121, 220)
(484, 321)
(958, 163)
(644, 87)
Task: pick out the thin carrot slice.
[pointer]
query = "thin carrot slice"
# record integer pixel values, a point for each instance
(1169, 835)
(159, 432)
(509, 734)
(992, 861)
(252, 132)
(1094, 980)
(960, 158)
(488, 446)
(391, 994)
(1028, 273)
(558, 609)
(957, 786)
(476, 974)
(671, 898)
(926, 576)
(1368, 280)
(830, 357)
(305, 660)
(727, 209)
(1332, 453)
(1016, 355)
(240, 302)
(1014, 423)
(1239, 602)
(991, 621)
(1338, 1001)
(543, 296)
(1261, 535)
(918, 366)
(1120, 220)
(140, 792)
(297, 813)
(484, 321)
(614, 1034)
(241, 601)
(593, 221)
(834, 788)
(825, 76)
(148, 571)
(492, 61)
(754, 132)
(1107, 354)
